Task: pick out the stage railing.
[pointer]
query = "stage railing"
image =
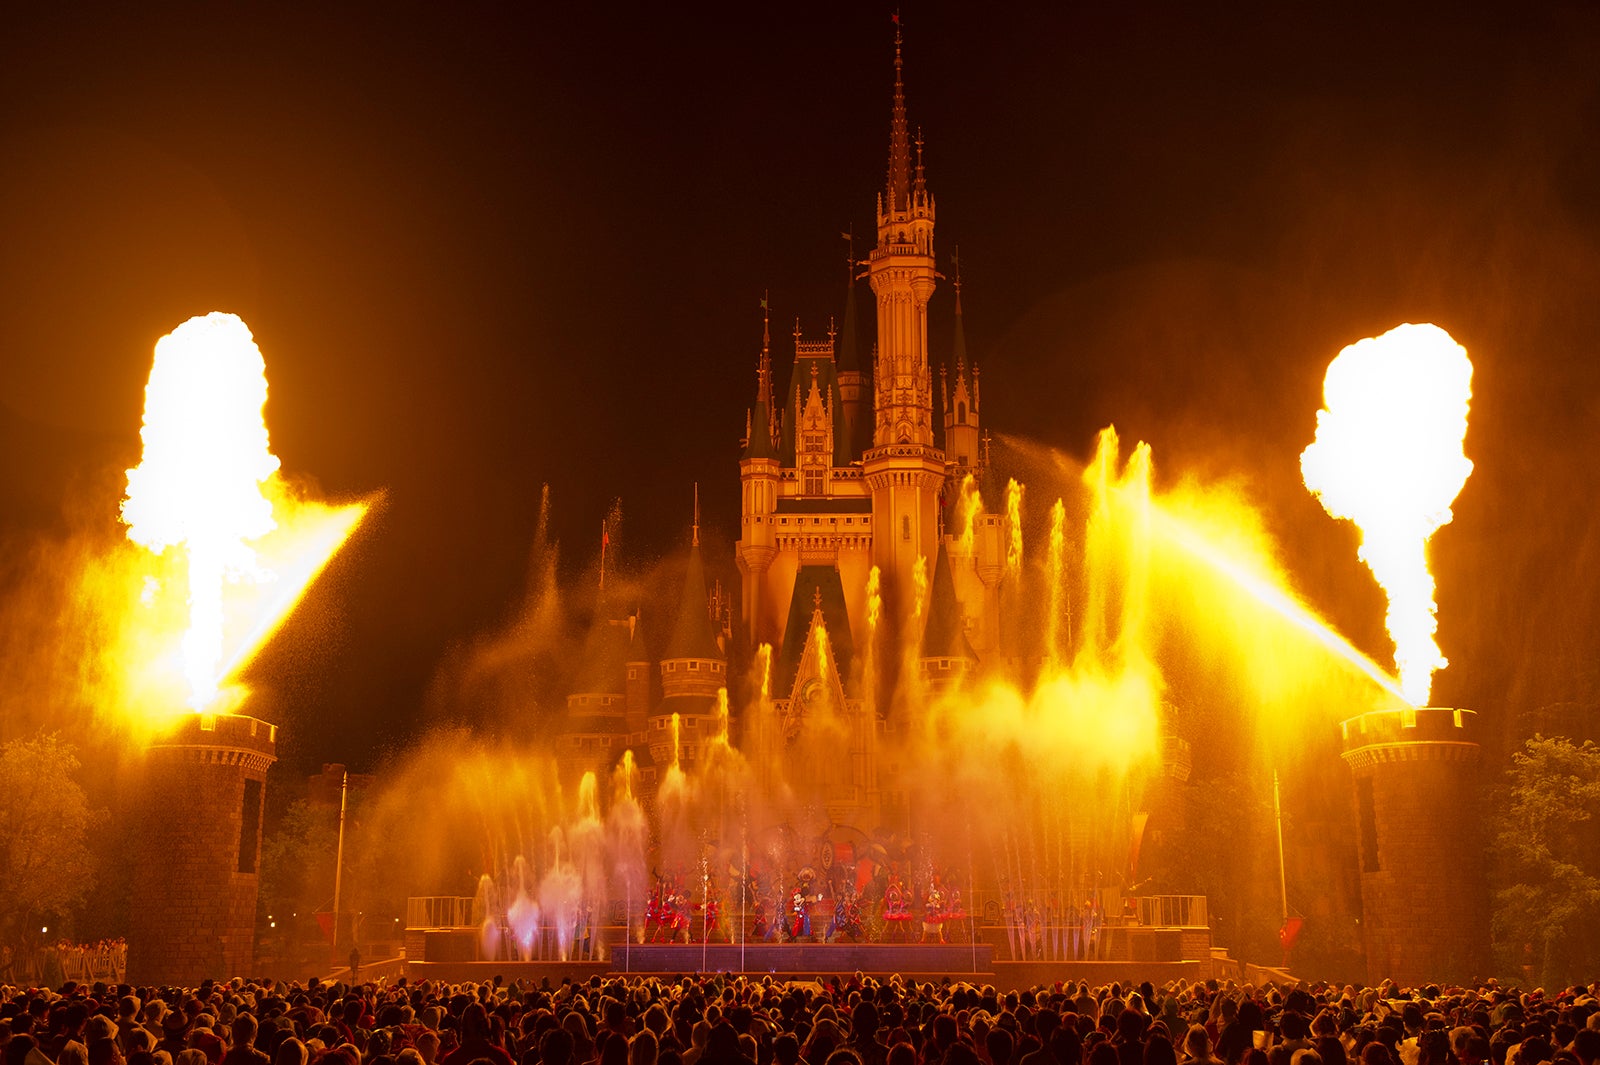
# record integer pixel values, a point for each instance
(1172, 911)
(439, 911)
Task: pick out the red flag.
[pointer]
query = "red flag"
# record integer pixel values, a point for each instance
(330, 931)
(1290, 931)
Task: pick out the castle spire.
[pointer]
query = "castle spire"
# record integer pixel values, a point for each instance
(899, 142)
(760, 440)
(961, 332)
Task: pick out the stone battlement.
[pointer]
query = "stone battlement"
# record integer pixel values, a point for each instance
(225, 739)
(1410, 734)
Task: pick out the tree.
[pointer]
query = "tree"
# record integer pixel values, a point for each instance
(297, 870)
(1227, 851)
(1546, 852)
(46, 867)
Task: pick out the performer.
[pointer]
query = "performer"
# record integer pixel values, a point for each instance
(760, 927)
(711, 913)
(800, 910)
(1093, 923)
(846, 916)
(896, 914)
(933, 913)
(652, 912)
(954, 914)
(680, 913)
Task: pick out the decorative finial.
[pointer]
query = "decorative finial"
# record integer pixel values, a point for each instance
(696, 534)
(899, 151)
(816, 597)
(766, 339)
(797, 329)
(922, 184)
(832, 331)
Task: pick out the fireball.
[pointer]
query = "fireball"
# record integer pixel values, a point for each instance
(208, 485)
(1388, 456)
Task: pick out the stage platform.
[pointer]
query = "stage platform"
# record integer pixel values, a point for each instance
(812, 961)
(806, 959)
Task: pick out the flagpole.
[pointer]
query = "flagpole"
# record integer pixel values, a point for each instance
(338, 861)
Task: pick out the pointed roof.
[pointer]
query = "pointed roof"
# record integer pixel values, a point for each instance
(944, 636)
(760, 444)
(817, 588)
(899, 183)
(693, 636)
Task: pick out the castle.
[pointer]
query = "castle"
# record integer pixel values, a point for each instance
(851, 493)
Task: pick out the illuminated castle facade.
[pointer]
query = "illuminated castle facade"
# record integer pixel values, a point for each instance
(852, 489)
(858, 471)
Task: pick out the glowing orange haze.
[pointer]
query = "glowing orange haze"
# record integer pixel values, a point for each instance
(208, 484)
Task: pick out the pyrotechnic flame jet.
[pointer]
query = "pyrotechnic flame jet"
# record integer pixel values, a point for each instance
(207, 482)
(1388, 456)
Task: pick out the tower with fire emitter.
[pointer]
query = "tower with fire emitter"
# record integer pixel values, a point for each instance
(197, 871)
(1423, 895)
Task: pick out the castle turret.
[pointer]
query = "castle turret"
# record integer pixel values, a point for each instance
(693, 668)
(193, 912)
(947, 656)
(596, 731)
(759, 472)
(960, 402)
(904, 469)
(1423, 895)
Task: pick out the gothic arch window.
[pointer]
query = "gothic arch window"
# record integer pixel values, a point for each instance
(961, 413)
(905, 526)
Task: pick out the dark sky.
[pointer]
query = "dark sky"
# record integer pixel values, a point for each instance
(485, 247)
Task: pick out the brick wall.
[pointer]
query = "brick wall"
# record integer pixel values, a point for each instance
(1423, 894)
(193, 910)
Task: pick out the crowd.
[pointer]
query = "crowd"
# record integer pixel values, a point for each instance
(719, 1020)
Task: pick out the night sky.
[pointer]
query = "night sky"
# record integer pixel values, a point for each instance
(488, 247)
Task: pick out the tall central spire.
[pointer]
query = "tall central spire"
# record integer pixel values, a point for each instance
(899, 135)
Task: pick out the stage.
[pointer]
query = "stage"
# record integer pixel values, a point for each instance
(811, 961)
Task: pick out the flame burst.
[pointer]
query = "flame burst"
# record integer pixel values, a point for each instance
(208, 482)
(1388, 456)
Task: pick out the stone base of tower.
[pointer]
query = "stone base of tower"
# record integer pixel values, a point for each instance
(193, 906)
(1423, 893)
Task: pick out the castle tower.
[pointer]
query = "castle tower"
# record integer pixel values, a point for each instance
(962, 444)
(596, 727)
(193, 911)
(693, 668)
(947, 655)
(904, 468)
(759, 471)
(1423, 893)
